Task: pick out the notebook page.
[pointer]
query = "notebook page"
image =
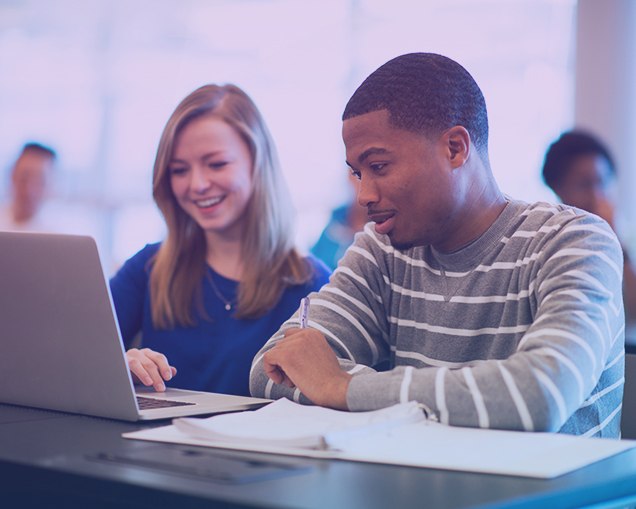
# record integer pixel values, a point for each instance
(287, 424)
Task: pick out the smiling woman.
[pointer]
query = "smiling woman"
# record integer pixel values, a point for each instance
(211, 178)
(227, 275)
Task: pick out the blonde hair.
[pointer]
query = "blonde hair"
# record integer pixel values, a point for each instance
(270, 260)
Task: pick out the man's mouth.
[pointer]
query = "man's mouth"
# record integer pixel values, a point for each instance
(384, 221)
(380, 217)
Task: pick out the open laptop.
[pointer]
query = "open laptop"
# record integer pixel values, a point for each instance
(60, 345)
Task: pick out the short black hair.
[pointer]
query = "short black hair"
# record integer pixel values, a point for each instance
(33, 146)
(569, 146)
(424, 93)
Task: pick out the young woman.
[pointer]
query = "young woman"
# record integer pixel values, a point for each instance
(207, 298)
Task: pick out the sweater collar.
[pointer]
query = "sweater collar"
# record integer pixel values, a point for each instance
(472, 254)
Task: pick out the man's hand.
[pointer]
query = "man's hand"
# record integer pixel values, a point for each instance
(304, 359)
(150, 367)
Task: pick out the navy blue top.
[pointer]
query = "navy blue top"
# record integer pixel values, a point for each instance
(216, 354)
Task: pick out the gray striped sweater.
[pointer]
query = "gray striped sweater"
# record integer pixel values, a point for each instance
(523, 329)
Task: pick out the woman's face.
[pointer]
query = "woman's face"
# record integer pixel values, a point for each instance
(211, 176)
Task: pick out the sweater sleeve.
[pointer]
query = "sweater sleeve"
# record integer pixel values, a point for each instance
(561, 364)
(349, 311)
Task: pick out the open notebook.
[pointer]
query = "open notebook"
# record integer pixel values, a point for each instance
(60, 346)
(288, 424)
(399, 435)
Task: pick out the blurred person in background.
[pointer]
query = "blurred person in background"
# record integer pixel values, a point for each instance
(580, 169)
(344, 223)
(29, 181)
(227, 275)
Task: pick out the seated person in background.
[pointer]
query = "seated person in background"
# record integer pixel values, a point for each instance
(337, 236)
(227, 274)
(30, 177)
(580, 170)
(489, 311)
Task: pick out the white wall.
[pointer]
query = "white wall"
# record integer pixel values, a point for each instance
(606, 92)
(97, 79)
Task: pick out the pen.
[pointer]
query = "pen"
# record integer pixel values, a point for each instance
(304, 312)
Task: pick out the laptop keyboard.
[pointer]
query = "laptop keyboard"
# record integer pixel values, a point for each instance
(150, 403)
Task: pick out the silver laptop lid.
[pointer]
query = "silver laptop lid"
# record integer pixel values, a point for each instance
(60, 346)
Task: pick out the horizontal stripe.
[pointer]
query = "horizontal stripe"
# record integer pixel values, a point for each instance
(610, 388)
(517, 398)
(366, 310)
(579, 253)
(406, 385)
(429, 361)
(567, 363)
(478, 399)
(554, 391)
(403, 322)
(593, 431)
(318, 302)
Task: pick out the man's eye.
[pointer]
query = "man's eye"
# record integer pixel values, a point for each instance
(356, 174)
(377, 166)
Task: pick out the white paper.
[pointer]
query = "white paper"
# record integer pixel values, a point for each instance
(288, 424)
(418, 444)
(544, 455)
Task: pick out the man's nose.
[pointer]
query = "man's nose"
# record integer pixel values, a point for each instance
(367, 192)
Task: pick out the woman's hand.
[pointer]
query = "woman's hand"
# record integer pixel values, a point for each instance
(150, 368)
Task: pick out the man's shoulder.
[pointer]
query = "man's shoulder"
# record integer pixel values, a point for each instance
(545, 224)
(541, 214)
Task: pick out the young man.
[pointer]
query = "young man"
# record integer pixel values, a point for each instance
(29, 182)
(489, 311)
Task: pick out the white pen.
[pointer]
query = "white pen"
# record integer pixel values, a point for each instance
(304, 312)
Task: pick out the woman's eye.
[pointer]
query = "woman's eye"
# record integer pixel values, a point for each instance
(177, 170)
(217, 165)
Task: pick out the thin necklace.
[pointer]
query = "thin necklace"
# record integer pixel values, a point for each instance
(227, 303)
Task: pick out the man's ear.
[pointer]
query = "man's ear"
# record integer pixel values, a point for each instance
(458, 142)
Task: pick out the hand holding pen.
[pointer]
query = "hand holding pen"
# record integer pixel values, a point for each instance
(304, 361)
(276, 373)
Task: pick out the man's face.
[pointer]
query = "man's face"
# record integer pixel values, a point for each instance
(30, 178)
(406, 181)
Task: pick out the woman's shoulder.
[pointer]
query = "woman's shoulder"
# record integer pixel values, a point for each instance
(149, 250)
(319, 271)
(140, 259)
(292, 293)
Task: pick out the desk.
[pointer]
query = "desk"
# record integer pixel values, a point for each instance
(50, 459)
